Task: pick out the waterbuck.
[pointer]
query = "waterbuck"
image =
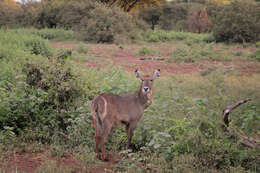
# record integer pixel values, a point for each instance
(109, 110)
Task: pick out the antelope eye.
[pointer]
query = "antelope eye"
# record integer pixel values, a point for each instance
(151, 80)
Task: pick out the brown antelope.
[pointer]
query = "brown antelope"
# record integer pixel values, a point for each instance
(109, 110)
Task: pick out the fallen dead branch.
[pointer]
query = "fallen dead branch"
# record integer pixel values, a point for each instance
(152, 58)
(246, 141)
(230, 108)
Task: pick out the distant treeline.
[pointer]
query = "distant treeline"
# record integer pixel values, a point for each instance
(121, 21)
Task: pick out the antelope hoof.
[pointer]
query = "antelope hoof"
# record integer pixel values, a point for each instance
(105, 157)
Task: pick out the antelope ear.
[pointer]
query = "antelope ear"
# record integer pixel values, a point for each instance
(137, 74)
(156, 73)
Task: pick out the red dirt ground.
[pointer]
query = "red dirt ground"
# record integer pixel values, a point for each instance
(129, 59)
(30, 162)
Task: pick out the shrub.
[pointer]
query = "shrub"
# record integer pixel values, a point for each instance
(44, 97)
(238, 21)
(82, 49)
(145, 51)
(108, 25)
(38, 46)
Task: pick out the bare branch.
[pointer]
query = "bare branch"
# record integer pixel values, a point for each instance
(246, 141)
(230, 108)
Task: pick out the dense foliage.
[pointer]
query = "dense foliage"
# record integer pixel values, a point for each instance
(238, 21)
(84, 15)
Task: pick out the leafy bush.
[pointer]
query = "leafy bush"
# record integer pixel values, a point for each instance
(163, 36)
(35, 93)
(238, 22)
(38, 46)
(56, 79)
(106, 25)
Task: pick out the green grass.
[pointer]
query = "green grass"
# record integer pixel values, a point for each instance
(57, 34)
(164, 36)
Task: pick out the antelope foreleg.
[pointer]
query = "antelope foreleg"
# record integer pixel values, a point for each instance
(130, 130)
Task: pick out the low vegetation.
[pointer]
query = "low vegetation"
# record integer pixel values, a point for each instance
(45, 98)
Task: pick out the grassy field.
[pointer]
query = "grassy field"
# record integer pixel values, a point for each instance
(47, 84)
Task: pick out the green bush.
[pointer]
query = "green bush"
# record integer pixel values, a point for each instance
(145, 51)
(38, 46)
(238, 21)
(163, 36)
(108, 25)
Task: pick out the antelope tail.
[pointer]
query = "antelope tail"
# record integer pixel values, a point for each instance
(96, 121)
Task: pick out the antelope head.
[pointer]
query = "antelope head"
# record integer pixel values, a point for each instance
(146, 88)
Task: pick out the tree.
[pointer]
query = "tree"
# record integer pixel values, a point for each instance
(129, 5)
(174, 16)
(10, 13)
(199, 21)
(151, 16)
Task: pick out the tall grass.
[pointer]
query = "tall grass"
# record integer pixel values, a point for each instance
(17, 44)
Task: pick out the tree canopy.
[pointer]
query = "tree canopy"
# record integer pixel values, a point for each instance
(129, 5)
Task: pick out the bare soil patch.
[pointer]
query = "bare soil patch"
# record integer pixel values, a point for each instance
(31, 162)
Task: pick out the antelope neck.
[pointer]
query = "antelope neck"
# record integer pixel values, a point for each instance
(143, 99)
